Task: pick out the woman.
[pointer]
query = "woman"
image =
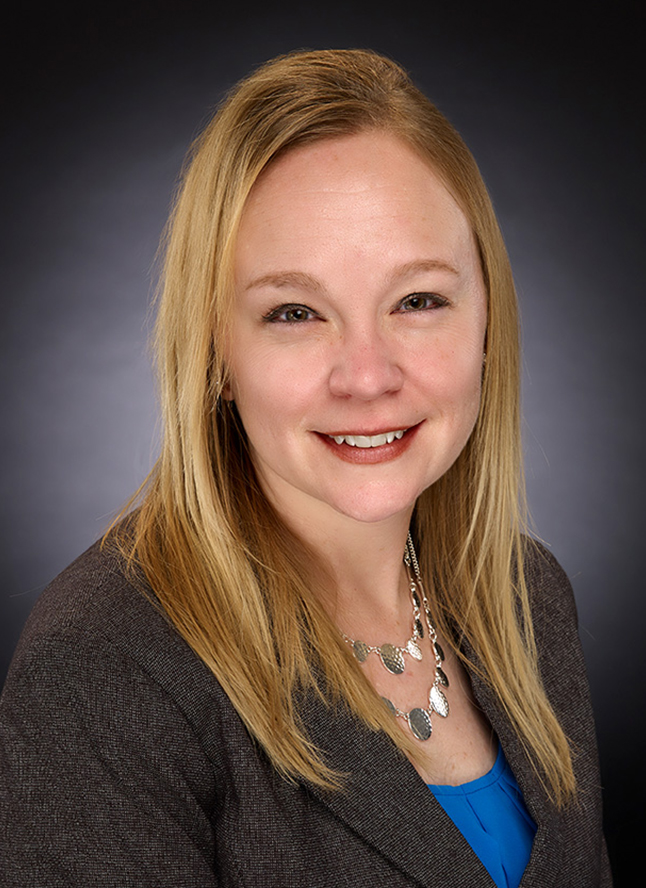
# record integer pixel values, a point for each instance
(323, 603)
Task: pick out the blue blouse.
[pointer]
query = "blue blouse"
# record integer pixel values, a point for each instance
(491, 815)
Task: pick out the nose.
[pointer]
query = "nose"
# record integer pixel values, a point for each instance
(365, 366)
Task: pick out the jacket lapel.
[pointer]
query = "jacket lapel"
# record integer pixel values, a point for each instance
(544, 814)
(387, 803)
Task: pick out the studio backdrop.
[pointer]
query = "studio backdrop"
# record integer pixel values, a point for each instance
(101, 105)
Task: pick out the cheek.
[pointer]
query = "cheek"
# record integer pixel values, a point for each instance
(252, 370)
(271, 396)
(463, 400)
(469, 384)
(281, 378)
(453, 368)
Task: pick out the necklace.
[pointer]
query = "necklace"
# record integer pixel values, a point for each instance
(392, 655)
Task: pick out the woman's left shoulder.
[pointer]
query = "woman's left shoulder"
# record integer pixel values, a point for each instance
(550, 590)
(556, 633)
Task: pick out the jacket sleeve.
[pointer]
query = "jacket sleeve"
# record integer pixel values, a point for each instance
(102, 780)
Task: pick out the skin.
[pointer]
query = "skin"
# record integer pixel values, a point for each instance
(361, 310)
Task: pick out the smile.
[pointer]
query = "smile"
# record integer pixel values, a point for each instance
(367, 441)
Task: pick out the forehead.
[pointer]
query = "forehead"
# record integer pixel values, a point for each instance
(367, 193)
(351, 163)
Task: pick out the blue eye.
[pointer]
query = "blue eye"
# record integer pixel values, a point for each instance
(290, 314)
(421, 302)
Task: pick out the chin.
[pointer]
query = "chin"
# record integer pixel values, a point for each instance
(367, 508)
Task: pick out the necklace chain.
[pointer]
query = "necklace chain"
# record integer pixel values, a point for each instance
(392, 655)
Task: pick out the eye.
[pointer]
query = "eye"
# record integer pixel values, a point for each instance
(421, 302)
(290, 314)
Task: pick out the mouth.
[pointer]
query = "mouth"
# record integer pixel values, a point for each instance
(365, 449)
(369, 441)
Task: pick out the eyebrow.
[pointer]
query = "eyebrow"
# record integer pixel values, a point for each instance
(419, 266)
(304, 281)
(299, 279)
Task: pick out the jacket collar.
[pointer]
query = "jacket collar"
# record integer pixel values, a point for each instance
(387, 803)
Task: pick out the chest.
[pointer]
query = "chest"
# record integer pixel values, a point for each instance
(462, 746)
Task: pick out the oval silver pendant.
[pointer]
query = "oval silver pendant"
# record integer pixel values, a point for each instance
(392, 658)
(420, 723)
(442, 677)
(361, 650)
(413, 649)
(439, 702)
(389, 705)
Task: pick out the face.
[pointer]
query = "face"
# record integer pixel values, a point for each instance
(358, 329)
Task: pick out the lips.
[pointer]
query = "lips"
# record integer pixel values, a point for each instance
(370, 449)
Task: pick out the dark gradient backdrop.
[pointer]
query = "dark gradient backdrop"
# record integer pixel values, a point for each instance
(101, 104)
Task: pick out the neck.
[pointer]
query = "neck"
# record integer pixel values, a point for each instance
(365, 562)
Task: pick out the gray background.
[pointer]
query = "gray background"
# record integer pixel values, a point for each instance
(100, 106)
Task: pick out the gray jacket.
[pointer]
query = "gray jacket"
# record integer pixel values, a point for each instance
(123, 763)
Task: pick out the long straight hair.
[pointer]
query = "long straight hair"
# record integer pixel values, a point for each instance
(236, 583)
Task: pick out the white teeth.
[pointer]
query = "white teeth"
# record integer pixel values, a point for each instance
(368, 440)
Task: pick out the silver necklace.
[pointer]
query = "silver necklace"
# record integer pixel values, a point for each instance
(392, 656)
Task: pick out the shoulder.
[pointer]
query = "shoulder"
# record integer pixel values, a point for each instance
(97, 640)
(104, 701)
(550, 591)
(560, 655)
(93, 603)
(93, 593)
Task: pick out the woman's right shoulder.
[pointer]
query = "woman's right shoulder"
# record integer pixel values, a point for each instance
(113, 739)
(96, 597)
(95, 623)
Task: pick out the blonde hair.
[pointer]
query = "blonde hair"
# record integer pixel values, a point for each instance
(230, 576)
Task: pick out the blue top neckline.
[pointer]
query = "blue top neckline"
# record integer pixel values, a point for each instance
(492, 816)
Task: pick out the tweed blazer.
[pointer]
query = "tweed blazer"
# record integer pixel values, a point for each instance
(123, 763)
